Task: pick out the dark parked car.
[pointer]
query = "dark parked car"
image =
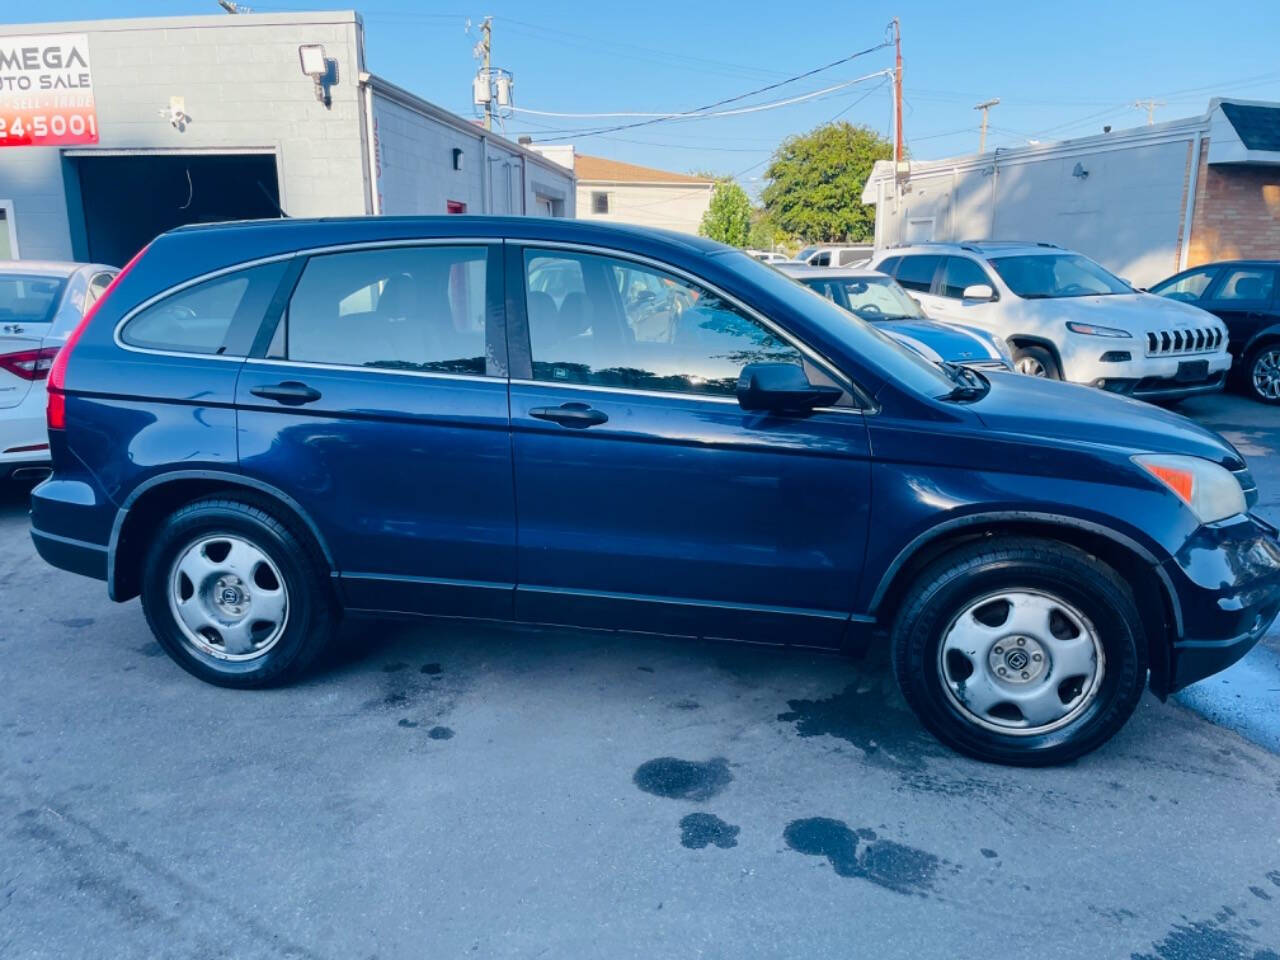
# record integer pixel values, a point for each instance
(263, 426)
(1245, 295)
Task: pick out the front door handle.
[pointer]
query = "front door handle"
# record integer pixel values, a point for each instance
(291, 393)
(576, 415)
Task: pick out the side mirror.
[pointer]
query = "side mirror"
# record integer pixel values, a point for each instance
(979, 291)
(782, 388)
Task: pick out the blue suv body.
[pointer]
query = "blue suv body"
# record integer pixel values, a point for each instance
(264, 425)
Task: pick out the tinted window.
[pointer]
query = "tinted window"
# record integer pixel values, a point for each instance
(402, 308)
(638, 327)
(889, 265)
(29, 299)
(218, 316)
(1246, 283)
(916, 273)
(960, 273)
(848, 257)
(872, 298)
(1051, 275)
(1187, 287)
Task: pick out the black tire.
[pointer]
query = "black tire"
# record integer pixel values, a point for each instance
(1263, 353)
(312, 612)
(1039, 356)
(955, 581)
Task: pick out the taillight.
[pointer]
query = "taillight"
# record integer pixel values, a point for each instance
(56, 412)
(29, 364)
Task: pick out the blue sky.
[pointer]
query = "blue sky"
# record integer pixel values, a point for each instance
(1061, 69)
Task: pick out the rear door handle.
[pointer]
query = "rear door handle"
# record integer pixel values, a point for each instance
(291, 393)
(576, 415)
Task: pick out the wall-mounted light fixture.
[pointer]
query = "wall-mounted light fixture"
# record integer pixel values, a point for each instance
(1080, 173)
(457, 158)
(321, 69)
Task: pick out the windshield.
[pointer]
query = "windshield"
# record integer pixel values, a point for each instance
(871, 298)
(880, 350)
(1042, 276)
(29, 299)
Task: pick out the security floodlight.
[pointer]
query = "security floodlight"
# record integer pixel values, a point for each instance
(311, 56)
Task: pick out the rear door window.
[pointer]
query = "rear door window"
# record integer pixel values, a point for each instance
(398, 308)
(219, 316)
(916, 273)
(1252, 284)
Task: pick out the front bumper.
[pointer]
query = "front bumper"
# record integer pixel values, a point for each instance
(1160, 388)
(1161, 377)
(1227, 581)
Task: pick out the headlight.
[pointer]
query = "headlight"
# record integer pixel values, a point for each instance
(1092, 330)
(1211, 491)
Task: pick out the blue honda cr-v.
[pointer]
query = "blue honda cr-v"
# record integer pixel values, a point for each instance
(264, 425)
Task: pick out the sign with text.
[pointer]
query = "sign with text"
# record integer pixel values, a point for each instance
(46, 91)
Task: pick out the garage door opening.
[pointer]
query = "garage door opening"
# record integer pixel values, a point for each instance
(128, 200)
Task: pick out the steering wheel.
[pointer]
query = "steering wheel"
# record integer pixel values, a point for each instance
(1075, 289)
(870, 308)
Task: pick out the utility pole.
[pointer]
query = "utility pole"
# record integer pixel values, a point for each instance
(486, 42)
(897, 96)
(984, 106)
(1149, 106)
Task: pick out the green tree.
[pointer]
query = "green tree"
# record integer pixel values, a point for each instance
(816, 180)
(728, 218)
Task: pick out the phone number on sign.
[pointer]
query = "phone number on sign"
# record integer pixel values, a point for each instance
(51, 128)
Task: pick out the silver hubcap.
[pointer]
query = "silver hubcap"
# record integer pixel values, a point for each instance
(1266, 374)
(228, 598)
(1021, 662)
(1031, 367)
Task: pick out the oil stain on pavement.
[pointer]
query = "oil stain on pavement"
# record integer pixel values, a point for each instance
(893, 866)
(678, 779)
(699, 830)
(867, 719)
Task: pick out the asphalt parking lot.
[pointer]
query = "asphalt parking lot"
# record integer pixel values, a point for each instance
(443, 789)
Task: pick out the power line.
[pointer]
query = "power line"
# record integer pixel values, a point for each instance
(741, 96)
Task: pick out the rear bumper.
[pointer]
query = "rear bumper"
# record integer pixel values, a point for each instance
(1227, 578)
(77, 556)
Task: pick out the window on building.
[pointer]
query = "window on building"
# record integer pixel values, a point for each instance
(219, 316)
(639, 327)
(8, 234)
(1246, 283)
(916, 273)
(599, 202)
(402, 308)
(1187, 287)
(959, 273)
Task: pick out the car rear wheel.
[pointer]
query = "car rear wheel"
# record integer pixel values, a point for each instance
(236, 596)
(1020, 651)
(1036, 361)
(1262, 372)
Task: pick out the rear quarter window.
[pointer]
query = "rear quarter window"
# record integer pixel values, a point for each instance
(219, 316)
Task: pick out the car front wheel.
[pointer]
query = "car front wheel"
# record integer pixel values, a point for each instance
(1036, 362)
(1262, 373)
(1020, 651)
(236, 596)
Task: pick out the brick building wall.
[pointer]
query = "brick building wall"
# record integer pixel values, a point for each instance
(1237, 212)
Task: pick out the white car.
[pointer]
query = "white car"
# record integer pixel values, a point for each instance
(1065, 317)
(40, 304)
(769, 256)
(836, 255)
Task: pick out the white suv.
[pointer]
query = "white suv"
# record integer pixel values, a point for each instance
(1065, 317)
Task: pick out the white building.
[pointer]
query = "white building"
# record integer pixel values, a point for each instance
(627, 193)
(163, 121)
(1145, 202)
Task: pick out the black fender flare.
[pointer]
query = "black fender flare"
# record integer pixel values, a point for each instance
(947, 527)
(220, 476)
(1266, 333)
